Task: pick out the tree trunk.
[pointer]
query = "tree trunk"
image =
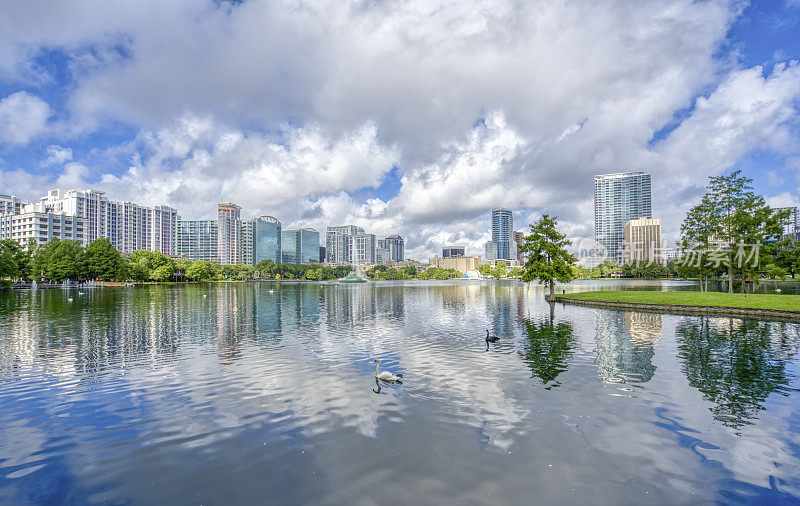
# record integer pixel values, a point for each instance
(730, 275)
(552, 289)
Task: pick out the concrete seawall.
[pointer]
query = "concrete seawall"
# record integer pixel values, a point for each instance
(689, 310)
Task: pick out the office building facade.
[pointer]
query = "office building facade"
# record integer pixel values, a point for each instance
(460, 263)
(642, 240)
(300, 246)
(229, 230)
(618, 199)
(267, 239)
(453, 251)
(502, 245)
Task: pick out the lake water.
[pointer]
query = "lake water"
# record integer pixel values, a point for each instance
(227, 393)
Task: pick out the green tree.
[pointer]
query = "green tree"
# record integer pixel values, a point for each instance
(485, 270)
(10, 254)
(65, 261)
(547, 258)
(200, 270)
(739, 216)
(152, 265)
(102, 260)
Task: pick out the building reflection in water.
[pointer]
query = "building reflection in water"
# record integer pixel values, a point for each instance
(547, 349)
(625, 345)
(737, 364)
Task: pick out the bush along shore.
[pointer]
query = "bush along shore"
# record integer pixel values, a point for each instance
(689, 301)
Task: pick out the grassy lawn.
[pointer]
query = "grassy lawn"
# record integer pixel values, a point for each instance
(686, 298)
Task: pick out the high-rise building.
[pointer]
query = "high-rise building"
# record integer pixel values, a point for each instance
(338, 241)
(790, 223)
(396, 246)
(229, 233)
(382, 255)
(519, 239)
(309, 246)
(618, 199)
(363, 249)
(491, 251)
(164, 230)
(10, 204)
(248, 242)
(502, 236)
(41, 227)
(268, 239)
(300, 246)
(128, 226)
(321, 254)
(643, 240)
(453, 251)
(197, 240)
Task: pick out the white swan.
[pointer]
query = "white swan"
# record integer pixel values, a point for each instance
(385, 375)
(69, 299)
(778, 290)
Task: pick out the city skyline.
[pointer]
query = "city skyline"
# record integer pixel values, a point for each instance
(103, 101)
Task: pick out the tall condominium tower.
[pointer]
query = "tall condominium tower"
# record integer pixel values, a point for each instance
(127, 225)
(396, 246)
(248, 242)
(618, 199)
(268, 239)
(502, 245)
(229, 225)
(197, 239)
(339, 242)
(790, 223)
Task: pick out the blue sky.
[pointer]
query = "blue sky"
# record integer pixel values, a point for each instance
(413, 118)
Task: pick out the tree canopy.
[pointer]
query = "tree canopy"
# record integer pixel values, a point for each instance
(547, 258)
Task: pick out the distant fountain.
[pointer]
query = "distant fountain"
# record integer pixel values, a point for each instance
(34, 285)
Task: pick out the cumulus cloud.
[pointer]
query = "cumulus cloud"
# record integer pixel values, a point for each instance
(292, 108)
(22, 117)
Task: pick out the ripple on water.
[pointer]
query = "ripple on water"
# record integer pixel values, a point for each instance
(160, 394)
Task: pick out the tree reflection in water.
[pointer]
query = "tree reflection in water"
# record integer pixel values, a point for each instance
(547, 349)
(737, 364)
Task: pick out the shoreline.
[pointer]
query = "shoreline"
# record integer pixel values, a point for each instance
(685, 309)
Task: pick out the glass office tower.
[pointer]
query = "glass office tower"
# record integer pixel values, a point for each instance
(267, 239)
(618, 199)
(300, 246)
(503, 233)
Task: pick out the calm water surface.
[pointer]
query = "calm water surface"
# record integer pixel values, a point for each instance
(264, 393)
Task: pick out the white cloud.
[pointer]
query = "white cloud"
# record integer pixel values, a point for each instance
(57, 155)
(286, 107)
(22, 117)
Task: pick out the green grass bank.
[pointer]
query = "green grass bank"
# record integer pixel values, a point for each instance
(775, 302)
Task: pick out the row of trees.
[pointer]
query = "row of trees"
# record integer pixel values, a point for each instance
(61, 260)
(382, 272)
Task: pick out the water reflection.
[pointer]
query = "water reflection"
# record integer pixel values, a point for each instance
(547, 349)
(737, 364)
(274, 382)
(625, 346)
